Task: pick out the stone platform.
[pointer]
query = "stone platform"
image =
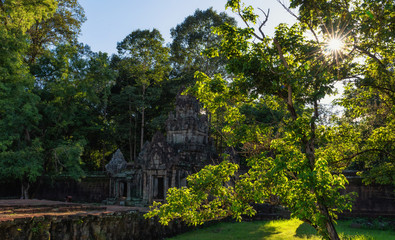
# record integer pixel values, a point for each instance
(43, 219)
(21, 208)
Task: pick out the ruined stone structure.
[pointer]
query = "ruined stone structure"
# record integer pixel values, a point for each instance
(39, 220)
(166, 161)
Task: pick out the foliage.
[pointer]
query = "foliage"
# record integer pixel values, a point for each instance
(370, 97)
(63, 27)
(142, 63)
(300, 166)
(53, 96)
(148, 57)
(74, 85)
(20, 156)
(190, 38)
(23, 165)
(367, 28)
(211, 181)
(20, 15)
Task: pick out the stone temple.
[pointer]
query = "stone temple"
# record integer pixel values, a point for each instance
(166, 161)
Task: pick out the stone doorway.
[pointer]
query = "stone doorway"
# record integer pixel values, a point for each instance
(159, 188)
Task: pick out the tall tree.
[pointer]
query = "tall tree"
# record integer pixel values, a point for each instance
(146, 58)
(63, 27)
(20, 155)
(99, 132)
(18, 16)
(301, 166)
(74, 85)
(123, 100)
(193, 36)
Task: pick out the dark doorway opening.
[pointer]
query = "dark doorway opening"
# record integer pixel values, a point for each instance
(161, 188)
(123, 189)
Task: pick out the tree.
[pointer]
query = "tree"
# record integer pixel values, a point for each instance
(193, 36)
(145, 62)
(54, 94)
(99, 131)
(300, 167)
(20, 155)
(370, 96)
(123, 98)
(74, 85)
(18, 16)
(63, 27)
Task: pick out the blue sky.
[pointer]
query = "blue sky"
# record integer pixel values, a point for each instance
(110, 21)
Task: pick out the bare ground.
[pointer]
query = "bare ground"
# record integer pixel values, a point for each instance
(11, 209)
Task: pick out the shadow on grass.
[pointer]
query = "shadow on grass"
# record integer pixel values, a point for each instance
(232, 231)
(305, 230)
(262, 232)
(243, 230)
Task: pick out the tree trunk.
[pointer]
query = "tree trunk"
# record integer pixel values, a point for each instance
(104, 145)
(25, 190)
(130, 131)
(27, 137)
(142, 120)
(135, 138)
(103, 157)
(309, 145)
(332, 231)
(330, 227)
(310, 153)
(142, 129)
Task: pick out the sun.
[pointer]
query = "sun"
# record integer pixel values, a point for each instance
(335, 45)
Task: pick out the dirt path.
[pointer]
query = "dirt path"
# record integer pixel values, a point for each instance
(20, 208)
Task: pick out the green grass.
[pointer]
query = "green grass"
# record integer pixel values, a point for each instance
(280, 230)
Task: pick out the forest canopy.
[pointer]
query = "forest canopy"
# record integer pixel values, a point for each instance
(65, 109)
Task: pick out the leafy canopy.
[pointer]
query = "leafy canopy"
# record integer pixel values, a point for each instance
(301, 161)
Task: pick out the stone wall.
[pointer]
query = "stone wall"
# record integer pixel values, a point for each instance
(10, 189)
(93, 188)
(372, 200)
(114, 226)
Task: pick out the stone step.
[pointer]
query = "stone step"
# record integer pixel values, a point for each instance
(40, 209)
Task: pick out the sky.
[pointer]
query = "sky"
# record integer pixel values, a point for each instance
(110, 21)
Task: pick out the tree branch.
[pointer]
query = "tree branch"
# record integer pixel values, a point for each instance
(288, 10)
(298, 18)
(289, 88)
(261, 38)
(362, 152)
(370, 55)
(241, 16)
(264, 21)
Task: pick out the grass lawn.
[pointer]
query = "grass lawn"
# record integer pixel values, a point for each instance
(280, 230)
